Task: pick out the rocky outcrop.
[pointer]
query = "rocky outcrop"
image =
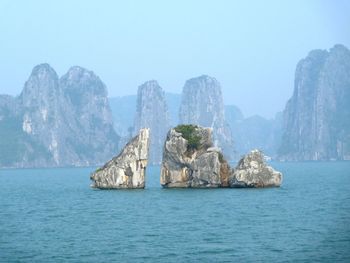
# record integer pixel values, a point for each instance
(128, 169)
(190, 160)
(252, 171)
(316, 123)
(58, 122)
(152, 112)
(202, 104)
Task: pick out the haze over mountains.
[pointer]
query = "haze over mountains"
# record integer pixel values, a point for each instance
(70, 121)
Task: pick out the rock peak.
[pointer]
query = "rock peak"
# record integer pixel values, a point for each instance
(152, 112)
(79, 81)
(339, 47)
(42, 85)
(77, 73)
(43, 68)
(151, 82)
(203, 78)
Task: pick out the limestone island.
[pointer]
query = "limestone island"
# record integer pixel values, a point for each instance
(190, 160)
(128, 169)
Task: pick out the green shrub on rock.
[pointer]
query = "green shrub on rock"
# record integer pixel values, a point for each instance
(188, 132)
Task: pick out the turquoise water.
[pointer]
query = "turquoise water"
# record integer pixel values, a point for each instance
(51, 215)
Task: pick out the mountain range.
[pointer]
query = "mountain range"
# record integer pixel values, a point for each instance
(56, 121)
(70, 121)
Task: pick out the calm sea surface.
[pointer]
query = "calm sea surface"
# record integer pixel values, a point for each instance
(52, 215)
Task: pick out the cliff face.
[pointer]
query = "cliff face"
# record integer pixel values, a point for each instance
(128, 169)
(317, 117)
(17, 147)
(39, 103)
(59, 122)
(202, 104)
(152, 112)
(90, 125)
(190, 160)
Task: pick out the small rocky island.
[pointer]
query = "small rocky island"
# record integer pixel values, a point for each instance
(252, 171)
(191, 161)
(128, 169)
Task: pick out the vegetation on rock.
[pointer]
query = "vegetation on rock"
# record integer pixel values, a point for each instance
(188, 132)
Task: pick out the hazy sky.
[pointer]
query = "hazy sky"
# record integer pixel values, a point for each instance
(251, 47)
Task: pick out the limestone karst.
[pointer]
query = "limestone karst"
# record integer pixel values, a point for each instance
(317, 116)
(128, 169)
(63, 121)
(202, 104)
(152, 112)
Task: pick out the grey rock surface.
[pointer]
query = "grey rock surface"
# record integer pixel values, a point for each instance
(202, 167)
(316, 120)
(252, 171)
(128, 169)
(202, 104)
(58, 122)
(152, 112)
(90, 135)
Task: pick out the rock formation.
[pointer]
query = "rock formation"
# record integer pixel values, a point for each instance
(252, 171)
(58, 122)
(202, 104)
(317, 117)
(91, 137)
(152, 112)
(128, 169)
(190, 160)
(17, 148)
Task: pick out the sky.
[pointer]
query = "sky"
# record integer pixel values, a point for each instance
(250, 47)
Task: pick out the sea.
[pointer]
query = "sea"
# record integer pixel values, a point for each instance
(52, 215)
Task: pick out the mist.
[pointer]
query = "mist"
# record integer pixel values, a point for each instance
(250, 47)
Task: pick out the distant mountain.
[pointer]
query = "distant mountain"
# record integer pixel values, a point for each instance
(233, 114)
(57, 122)
(152, 112)
(247, 133)
(254, 132)
(173, 101)
(317, 117)
(202, 104)
(123, 111)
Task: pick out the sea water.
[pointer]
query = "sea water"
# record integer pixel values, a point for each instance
(52, 215)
